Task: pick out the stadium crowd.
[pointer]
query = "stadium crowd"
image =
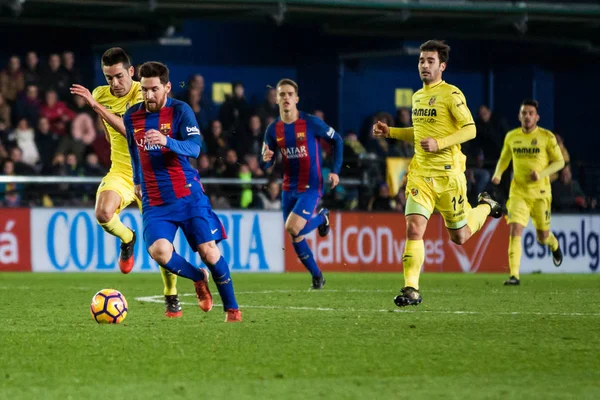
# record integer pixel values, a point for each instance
(44, 130)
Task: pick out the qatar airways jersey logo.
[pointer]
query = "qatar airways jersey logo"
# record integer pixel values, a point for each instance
(141, 143)
(294, 152)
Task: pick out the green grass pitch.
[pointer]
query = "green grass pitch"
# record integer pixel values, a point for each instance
(472, 338)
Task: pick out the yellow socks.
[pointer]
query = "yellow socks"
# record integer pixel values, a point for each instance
(412, 261)
(170, 281)
(476, 217)
(551, 241)
(116, 228)
(514, 255)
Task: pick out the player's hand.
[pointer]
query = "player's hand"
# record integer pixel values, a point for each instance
(334, 179)
(137, 189)
(85, 93)
(267, 154)
(430, 145)
(534, 176)
(154, 137)
(496, 180)
(381, 129)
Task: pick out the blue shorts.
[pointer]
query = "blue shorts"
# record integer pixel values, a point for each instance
(198, 222)
(302, 204)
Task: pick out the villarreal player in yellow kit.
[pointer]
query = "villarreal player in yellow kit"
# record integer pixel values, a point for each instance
(436, 177)
(535, 155)
(116, 191)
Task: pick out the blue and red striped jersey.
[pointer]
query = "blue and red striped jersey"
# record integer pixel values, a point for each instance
(300, 146)
(164, 173)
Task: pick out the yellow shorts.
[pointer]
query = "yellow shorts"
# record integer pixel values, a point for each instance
(520, 209)
(447, 194)
(123, 186)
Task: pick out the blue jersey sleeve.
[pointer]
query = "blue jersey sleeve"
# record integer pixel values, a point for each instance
(322, 130)
(133, 151)
(188, 133)
(269, 143)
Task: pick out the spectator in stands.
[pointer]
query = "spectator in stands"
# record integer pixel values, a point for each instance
(251, 140)
(100, 145)
(55, 78)
(69, 69)
(403, 118)
(11, 80)
(20, 168)
(83, 134)
(25, 140)
(10, 193)
(382, 201)
(235, 110)
(46, 142)
(205, 168)
(29, 105)
(567, 195)
(31, 72)
(270, 197)
(57, 112)
(404, 148)
(5, 113)
(80, 107)
(490, 136)
(194, 99)
(353, 150)
(92, 166)
(216, 142)
(319, 114)
(268, 108)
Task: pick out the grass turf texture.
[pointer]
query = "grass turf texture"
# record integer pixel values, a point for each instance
(471, 338)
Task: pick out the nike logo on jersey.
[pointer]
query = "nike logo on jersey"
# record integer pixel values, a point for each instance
(305, 212)
(213, 231)
(279, 139)
(137, 130)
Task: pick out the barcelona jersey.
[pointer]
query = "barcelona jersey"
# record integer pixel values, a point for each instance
(164, 173)
(300, 147)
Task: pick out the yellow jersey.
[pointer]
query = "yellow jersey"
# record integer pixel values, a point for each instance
(438, 111)
(533, 151)
(119, 152)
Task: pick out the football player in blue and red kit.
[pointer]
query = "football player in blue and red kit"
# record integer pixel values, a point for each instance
(297, 136)
(162, 133)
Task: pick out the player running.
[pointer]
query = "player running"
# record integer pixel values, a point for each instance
(162, 133)
(116, 190)
(436, 177)
(297, 136)
(535, 155)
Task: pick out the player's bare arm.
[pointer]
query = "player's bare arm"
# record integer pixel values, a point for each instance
(113, 120)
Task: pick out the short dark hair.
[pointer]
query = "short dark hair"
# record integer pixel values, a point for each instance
(114, 56)
(438, 46)
(155, 69)
(287, 81)
(530, 102)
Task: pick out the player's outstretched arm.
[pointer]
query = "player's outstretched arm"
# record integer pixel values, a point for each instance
(381, 129)
(113, 120)
(503, 162)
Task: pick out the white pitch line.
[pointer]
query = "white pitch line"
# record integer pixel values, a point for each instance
(159, 299)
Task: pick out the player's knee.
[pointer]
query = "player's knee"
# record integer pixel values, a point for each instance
(104, 215)
(161, 251)
(459, 236)
(292, 229)
(209, 253)
(414, 231)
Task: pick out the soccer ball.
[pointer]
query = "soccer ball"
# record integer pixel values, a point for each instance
(109, 307)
